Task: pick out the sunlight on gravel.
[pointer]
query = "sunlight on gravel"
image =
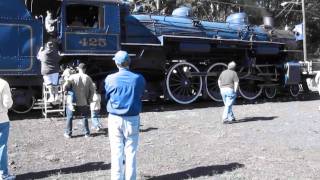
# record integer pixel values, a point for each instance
(270, 140)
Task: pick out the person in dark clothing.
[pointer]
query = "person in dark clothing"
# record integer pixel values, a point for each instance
(82, 87)
(228, 83)
(50, 58)
(124, 91)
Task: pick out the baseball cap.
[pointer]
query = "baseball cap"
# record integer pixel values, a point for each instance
(231, 65)
(82, 66)
(121, 57)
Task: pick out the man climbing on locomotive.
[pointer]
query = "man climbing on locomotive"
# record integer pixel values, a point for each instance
(50, 58)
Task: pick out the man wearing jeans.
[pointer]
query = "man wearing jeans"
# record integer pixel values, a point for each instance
(228, 83)
(124, 91)
(82, 87)
(5, 104)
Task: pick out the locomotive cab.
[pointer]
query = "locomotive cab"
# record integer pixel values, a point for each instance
(89, 28)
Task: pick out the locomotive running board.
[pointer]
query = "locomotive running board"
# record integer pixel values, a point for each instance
(140, 44)
(294, 51)
(91, 54)
(163, 37)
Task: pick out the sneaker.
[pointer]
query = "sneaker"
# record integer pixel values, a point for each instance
(57, 98)
(227, 122)
(66, 135)
(8, 177)
(99, 129)
(95, 128)
(51, 99)
(87, 135)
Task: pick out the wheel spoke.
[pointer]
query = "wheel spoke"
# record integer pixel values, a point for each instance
(181, 73)
(175, 84)
(174, 79)
(212, 84)
(176, 89)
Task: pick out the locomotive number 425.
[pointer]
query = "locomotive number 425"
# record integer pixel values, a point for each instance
(93, 42)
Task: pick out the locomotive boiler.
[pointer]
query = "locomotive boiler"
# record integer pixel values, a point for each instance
(180, 56)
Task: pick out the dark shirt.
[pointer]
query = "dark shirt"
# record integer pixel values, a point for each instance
(49, 61)
(228, 78)
(124, 91)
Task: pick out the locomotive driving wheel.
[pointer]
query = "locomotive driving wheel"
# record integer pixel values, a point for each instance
(23, 101)
(270, 92)
(182, 84)
(248, 83)
(212, 80)
(294, 90)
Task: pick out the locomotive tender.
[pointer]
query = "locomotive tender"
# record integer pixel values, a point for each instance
(180, 56)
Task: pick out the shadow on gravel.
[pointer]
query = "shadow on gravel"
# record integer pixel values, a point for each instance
(163, 106)
(148, 129)
(198, 172)
(249, 119)
(92, 166)
(103, 132)
(34, 114)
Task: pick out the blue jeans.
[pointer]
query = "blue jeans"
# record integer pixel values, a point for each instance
(95, 119)
(83, 111)
(4, 134)
(70, 97)
(229, 97)
(124, 137)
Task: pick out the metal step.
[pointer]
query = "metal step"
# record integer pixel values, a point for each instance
(316, 65)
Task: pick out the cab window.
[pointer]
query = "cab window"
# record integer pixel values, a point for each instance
(84, 16)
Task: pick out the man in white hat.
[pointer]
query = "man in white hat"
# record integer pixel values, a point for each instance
(124, 90)
(228, 83)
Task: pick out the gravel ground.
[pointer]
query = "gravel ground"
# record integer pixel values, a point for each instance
(271, 140)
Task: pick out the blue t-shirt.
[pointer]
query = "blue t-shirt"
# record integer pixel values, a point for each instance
(124, 91)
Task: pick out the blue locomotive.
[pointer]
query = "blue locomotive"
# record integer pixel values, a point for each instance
(180, 56)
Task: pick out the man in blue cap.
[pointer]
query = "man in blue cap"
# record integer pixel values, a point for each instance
(124, 90)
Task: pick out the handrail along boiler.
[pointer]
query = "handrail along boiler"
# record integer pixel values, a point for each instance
(180, 56)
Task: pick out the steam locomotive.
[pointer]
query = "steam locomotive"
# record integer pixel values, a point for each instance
(180, 56)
